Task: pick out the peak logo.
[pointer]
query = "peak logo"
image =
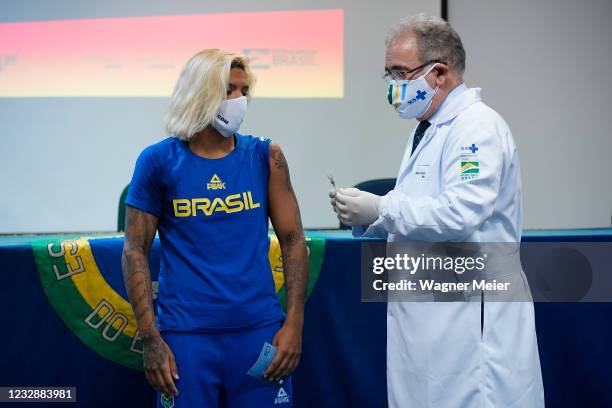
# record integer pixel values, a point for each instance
(282, 397)
(215, 183)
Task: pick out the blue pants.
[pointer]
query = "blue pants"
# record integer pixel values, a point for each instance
(213, 370)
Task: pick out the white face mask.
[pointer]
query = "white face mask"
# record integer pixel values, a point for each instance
(230, 116)
(411, 97)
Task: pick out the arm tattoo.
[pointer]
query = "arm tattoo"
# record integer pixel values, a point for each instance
(155, 353)
(281, 163)
(295, 263)
(139, 235)
(295, 269)
(288, 225)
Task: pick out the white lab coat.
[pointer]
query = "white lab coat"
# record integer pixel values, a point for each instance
(436, 353)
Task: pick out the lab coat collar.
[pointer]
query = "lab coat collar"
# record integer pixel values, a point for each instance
(456, 101)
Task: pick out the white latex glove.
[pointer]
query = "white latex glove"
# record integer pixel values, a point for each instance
(332, 199)
(354, 207)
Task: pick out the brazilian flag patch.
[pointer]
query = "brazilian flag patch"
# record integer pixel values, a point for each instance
(470, 167)
(470, 170)
(167, 401)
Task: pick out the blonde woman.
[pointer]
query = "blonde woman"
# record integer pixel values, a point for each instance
(209, 191)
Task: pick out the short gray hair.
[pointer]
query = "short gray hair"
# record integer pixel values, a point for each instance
(436, 40)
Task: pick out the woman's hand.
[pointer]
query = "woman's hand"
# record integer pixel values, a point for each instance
(288, 343)
(159, 365)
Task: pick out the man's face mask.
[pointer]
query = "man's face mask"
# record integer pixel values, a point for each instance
(230, 116)
(411, 97)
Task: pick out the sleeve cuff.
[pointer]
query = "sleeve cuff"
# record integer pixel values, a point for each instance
(359, 230)
(384, 206)
(374, 230)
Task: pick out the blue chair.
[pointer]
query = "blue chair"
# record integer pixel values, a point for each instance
(121, 212)
(377, 186)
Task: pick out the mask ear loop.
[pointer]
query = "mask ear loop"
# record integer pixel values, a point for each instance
(426, 73)
(437, 87)
(435, 91)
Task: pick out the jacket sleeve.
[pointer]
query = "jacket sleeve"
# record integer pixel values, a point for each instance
(370, 231)
(469, 188)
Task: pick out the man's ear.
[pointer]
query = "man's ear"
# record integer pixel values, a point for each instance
(441, 72)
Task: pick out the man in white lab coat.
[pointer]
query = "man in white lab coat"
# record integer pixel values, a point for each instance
(459, 181)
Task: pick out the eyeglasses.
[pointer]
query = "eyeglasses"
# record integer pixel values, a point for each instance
(396, 75)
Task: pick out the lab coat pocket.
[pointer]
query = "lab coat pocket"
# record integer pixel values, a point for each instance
(422, 172)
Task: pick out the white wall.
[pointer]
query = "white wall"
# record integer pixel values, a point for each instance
(546, 67)
(65, 161)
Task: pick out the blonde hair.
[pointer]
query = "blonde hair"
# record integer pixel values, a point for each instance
(200, 90)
